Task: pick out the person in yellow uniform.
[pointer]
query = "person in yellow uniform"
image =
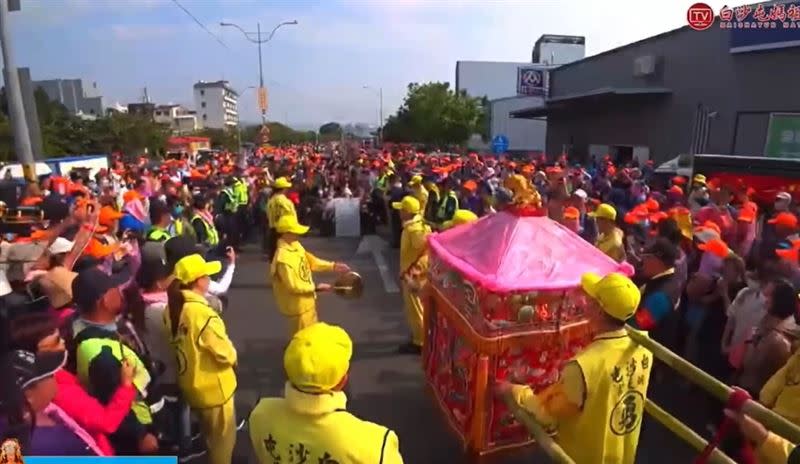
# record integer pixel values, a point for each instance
(206, 356)
(597, 405)
(418, 191)
(278, 205)
(413, 267)
(310, 423)
(292, 282)
(770, 447)
(610, 238)
(461, 216)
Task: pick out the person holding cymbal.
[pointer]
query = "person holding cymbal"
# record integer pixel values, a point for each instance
(291, 273)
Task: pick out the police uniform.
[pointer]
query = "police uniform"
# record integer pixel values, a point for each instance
(598, 403)
(205, 360)
(157, 234)
(211, 236)
(310, 423)
(448, 204)
(413, 265)
(292, 281)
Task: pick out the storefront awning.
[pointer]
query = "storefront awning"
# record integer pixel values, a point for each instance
(595, 97)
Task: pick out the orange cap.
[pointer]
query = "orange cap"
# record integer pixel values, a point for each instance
(678, 180)
(652, 205)
(716, 247)
(108, 215)
(789, 254)
(131, 195)
(96, 249)
(470, 185)
(675, 189)
(571, 212)
(784, 219)
(748, 212)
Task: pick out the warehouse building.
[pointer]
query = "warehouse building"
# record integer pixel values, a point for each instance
(721, 90)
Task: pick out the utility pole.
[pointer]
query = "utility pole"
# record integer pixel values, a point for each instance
(22, 139)
(261, 78)
(380, 127)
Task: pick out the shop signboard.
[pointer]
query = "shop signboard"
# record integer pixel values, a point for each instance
(531, 81)
(783, 136)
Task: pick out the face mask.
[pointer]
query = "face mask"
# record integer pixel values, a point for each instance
(177, 211)
(781, 205)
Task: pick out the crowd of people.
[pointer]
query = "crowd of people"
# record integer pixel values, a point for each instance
(111, 306)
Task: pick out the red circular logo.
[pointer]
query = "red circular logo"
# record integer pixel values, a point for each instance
(700, 16)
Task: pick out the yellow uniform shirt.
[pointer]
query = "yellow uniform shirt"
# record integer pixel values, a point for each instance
(205, 354)
(606, 384)
(414, 244)
(421, 194)
(292, 282)
(781, 393)
(277, 206)
(316, 428)
(775, 450)
(612, 244)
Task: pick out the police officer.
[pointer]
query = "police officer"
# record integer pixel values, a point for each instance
(598, 403)
(310, 423)
(448, 201)
(242, 194)
(203, 223)
(160, 218)
(230, 206)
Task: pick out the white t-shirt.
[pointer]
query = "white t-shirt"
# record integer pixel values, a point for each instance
(746, 311)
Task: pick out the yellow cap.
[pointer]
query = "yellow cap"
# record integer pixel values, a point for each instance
(461, 216)
(282, 183)
(604, 211)
(409, 205)
(192, 267)
(288, 224)
(318, 357)
(617, 295)
(699, 179)
(415, 180)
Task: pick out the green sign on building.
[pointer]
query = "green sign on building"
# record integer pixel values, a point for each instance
(783, 136)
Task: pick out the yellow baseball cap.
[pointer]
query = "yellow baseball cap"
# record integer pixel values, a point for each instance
(604, 211)
(318, 357)
(192, 267)
(415, 180)
(461, 216)
(409, 205)
(617, 295)
(288, 224)
(282, 183)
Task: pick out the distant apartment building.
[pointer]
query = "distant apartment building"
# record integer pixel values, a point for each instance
(180, 119)
(71, 94)
(142, 109)
(216, 105)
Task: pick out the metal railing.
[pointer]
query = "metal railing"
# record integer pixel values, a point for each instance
(719, 390)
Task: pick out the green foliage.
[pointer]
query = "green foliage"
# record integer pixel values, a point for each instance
(278, 134)
(63, 134)
(225, 139)
(434, 114)
(330, 128)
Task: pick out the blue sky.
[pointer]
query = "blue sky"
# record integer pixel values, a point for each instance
(315, 71)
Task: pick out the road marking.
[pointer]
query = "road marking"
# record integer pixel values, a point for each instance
(375, 245)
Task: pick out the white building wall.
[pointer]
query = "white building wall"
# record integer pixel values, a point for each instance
(523, 134)
(216, 107)
(561, 53)
(491, 79)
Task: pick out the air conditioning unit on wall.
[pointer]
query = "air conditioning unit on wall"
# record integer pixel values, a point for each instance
(644, 66)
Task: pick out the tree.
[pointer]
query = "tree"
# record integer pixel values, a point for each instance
(435, 114)
(331, 128)
(227, 139)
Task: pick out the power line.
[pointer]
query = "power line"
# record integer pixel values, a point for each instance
(200, 24)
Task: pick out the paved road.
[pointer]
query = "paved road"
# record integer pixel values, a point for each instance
(386, 387)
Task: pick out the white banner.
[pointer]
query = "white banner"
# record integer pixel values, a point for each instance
(348, 217)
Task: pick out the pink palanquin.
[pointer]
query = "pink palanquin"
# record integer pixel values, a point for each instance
(503, 303)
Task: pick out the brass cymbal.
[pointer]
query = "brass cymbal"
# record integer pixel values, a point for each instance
(349, 286)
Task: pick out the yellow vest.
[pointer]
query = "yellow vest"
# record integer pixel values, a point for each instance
(612, 244)
(782, 390)
(616, 371)
(421, 194)
(277, 206)
(317, 429)
(292, 280)
(204, 380)
(414, 245)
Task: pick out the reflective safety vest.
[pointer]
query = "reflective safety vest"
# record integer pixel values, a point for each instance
(158, 234)
(231, 201)
(380, 184)
(212, 237)
(441, 212)
(91, 348)
(176, 227)
(616, 372)
(240, 192)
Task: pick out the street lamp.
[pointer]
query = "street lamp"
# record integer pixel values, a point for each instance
(259, 40)
(380, 111)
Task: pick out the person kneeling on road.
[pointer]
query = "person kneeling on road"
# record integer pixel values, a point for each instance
(310, 423)
(292, 283)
